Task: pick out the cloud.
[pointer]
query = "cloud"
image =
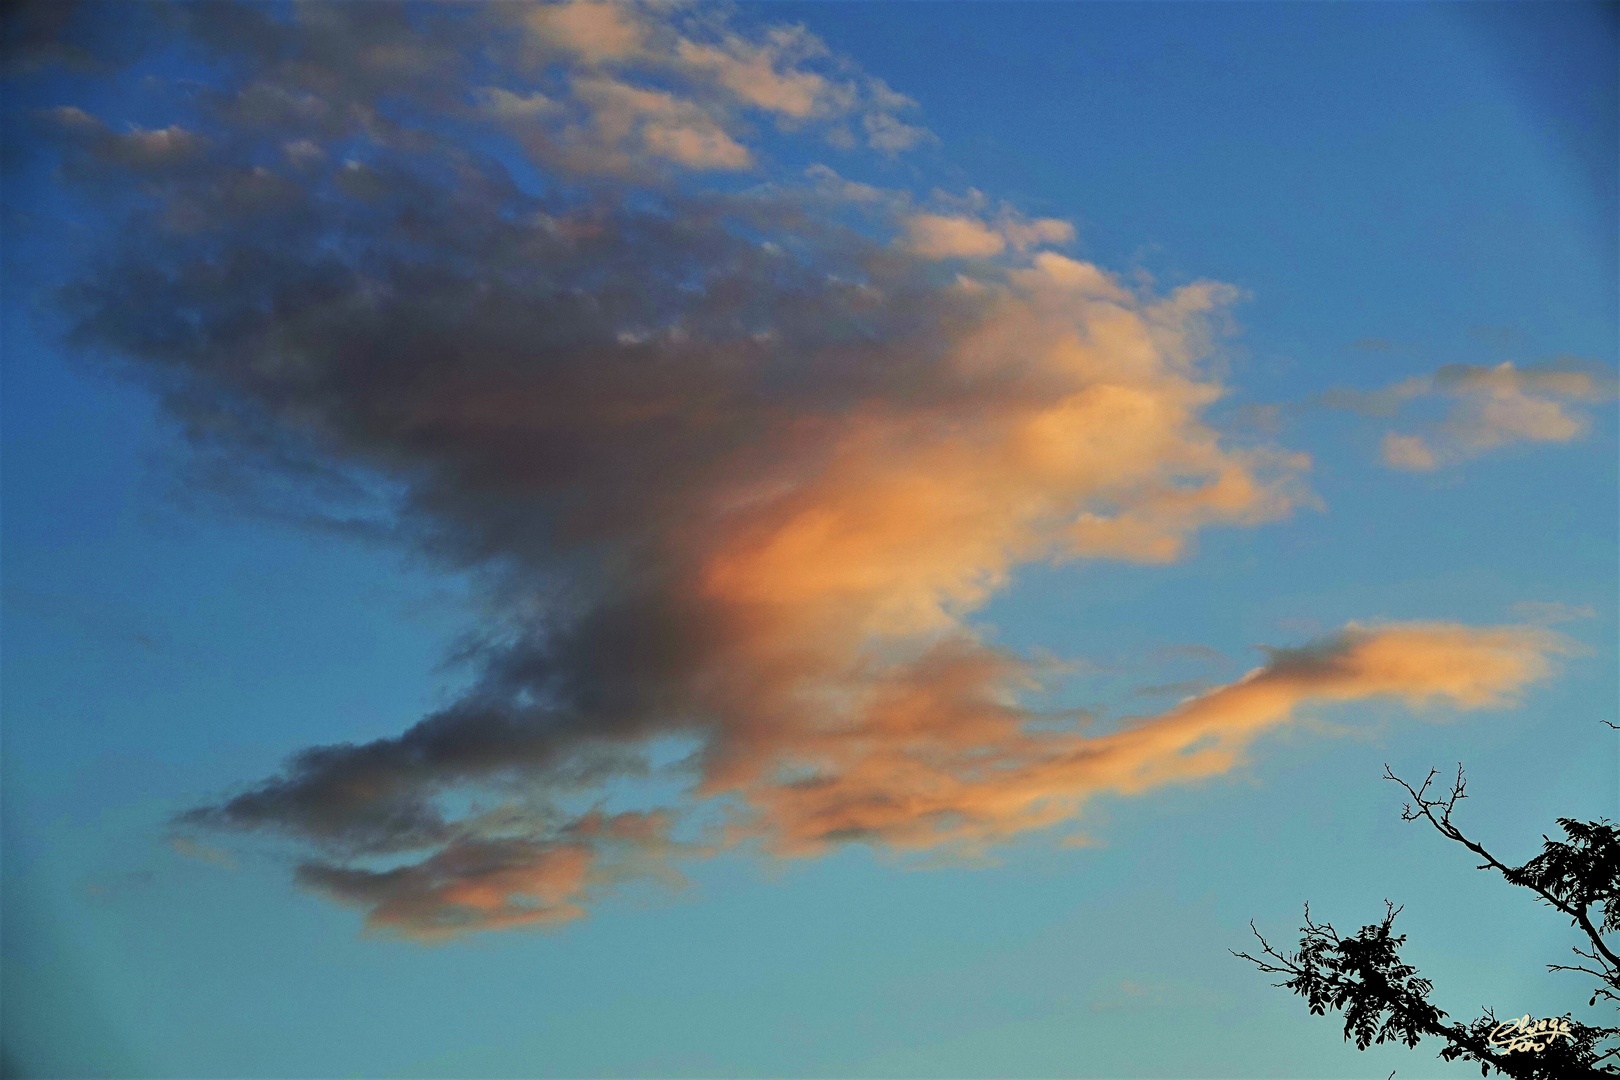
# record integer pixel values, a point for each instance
(652, 124)
(1548, 613)
(1174, 689)
(41, 36)
(688, 64)
(595, 32)
(191, 849)
(736, 467)
(766, 74)
(138, 150)
(945, 236)
(935, 236)
(886, 133)
(1189, 651)
(465, 886)
(1378, 403)
(1490, 407)
(623, 90)
(1372, 344)
(933, 753)
(1408, 452)
(1142, 994)
(936, 765)
(489, 883)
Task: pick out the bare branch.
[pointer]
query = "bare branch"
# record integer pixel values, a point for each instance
(1288, 965)
(1427, 808)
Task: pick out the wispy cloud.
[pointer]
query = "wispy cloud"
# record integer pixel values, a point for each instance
(1131, 994)
(191, 849)
(1551, 612)
(1487, 408)
(945, 236)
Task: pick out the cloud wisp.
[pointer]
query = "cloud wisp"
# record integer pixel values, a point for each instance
(1488, 408)
(737, 453)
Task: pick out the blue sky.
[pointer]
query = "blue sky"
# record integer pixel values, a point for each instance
(1396, 192)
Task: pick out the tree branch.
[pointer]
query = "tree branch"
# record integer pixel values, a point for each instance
(1427, 808)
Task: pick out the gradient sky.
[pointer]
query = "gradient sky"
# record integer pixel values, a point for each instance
(941, 470)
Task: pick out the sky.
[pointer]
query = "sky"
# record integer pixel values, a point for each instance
(791, 540)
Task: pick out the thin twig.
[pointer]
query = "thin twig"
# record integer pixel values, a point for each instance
(1426, 809)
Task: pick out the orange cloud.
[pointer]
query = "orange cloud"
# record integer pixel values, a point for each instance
(926, 752)
(466, 886)
(596, 32)
(936, 236)
(1490, 408)
(738, 467)
(651, 85)
(947, 236)
(941, 755)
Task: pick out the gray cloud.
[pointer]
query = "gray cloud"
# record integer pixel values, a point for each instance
(734, 463)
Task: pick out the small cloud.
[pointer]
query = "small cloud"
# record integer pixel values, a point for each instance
(202, 852)
(935, 236)
(1381, 403)
(1372, 344)
(1490, 407)
(302, 152)
(1547, 613)
(1175, 689)
(888, 135)
(967, 236)
(829, 183)
(1408, 452)
(1131, 994)
(1194, 651)
(505, 105)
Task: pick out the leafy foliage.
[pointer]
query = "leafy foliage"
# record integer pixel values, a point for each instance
(1384, 999)
(1579, 874)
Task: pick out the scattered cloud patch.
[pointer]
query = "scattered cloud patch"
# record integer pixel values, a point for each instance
(1550, 613)
(191, 849)
(1486, 408)
(1372, 344)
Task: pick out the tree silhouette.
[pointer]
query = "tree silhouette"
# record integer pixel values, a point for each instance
(1385, 1000)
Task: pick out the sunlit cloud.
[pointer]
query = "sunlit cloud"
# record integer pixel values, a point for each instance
(1487, 408)
(944, 236)
(737, 455)
(1551, 612)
